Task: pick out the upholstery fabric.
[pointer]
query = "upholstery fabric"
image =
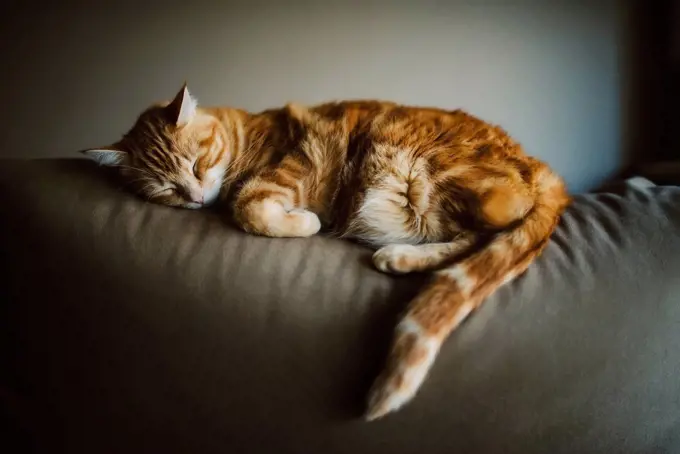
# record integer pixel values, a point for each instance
(131, 327)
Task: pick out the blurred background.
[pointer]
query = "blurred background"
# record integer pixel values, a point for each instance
(564, 77)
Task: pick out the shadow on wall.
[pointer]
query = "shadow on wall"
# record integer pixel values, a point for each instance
(550, 74)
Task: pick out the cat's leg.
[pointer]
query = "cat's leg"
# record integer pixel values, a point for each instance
(495, 203)
(461, 287)
(272, 204)
(407, 258)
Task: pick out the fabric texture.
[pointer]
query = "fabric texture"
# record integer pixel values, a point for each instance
(131, 327)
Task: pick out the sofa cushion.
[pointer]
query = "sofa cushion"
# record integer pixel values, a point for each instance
(132, 327)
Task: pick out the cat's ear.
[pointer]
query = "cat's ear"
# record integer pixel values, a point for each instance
(182, 109)
(105, 156)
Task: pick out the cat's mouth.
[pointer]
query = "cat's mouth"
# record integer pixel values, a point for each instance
(194, 205)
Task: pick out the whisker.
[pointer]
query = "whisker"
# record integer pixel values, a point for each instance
(137, 169)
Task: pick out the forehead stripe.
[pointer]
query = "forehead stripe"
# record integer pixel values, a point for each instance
(152, 158)
(148, 163)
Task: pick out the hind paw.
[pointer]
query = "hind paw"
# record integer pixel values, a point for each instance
(397, 259)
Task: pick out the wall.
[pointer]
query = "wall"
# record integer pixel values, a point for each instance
(549, 71)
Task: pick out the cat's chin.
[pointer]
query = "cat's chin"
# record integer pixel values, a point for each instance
(197, 206)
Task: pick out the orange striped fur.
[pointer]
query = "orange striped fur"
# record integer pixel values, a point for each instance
(430, 189)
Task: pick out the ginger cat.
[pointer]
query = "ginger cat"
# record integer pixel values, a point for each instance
(430, 189)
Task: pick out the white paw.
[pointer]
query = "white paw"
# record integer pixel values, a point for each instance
(396, 258)
(308, 223)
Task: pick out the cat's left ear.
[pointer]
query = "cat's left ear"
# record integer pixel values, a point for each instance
(105, 156)
(182, 109)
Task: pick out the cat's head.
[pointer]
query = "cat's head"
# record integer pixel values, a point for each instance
(173, 155)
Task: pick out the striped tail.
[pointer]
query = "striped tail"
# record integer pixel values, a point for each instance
(456, 291)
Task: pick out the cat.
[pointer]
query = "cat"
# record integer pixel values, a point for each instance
(427, 189)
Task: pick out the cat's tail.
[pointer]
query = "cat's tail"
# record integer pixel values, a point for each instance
(457, 290)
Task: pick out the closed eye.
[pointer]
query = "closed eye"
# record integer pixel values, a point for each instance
(163, 192)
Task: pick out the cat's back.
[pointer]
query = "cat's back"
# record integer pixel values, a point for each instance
(363, 114)
(372, 109)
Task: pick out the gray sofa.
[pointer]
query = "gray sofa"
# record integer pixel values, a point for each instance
(129, 327)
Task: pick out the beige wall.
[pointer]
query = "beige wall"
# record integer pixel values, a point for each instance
(549, 71)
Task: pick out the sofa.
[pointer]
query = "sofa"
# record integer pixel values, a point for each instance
(129, 327)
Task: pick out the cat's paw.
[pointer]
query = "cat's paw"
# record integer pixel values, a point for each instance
(397, 258)
(303, 223)
(269, 218)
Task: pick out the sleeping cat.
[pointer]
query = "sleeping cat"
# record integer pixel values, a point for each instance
(431, 190)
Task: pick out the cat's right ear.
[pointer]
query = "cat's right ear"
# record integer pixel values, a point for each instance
(105, 156)
(183, 108)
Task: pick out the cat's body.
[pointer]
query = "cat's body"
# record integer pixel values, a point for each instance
(430, 189)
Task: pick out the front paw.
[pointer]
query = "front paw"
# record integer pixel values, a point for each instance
(269, 218)
(303, 223)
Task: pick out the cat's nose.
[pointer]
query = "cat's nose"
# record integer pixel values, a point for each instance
(195, 195)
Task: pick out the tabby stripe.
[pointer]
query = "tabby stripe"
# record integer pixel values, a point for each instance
(295, 167)
(208, 141)
(236, 138)
(217, 157)
(285, 180)
(262, 194)
(173, 157)
(154, 161)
